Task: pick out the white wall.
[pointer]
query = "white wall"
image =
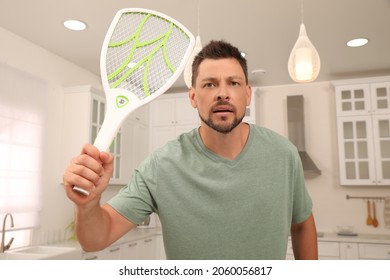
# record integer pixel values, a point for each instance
(58, 73)
(331, 208)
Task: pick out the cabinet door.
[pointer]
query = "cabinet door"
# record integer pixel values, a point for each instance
(352, 100)
(162, 111)
(328, 251)
(161, 135)
(356, 154)
(185, 113)
(374, 251)
(113, 253)
(140, 115)
(147, 249)
(381, 129)
(380, 98)
(349, 251)
(130, 250)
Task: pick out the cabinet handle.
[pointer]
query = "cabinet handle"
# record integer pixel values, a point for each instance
(91, 258)
(132, 244)
(148, 240)
(114, 249)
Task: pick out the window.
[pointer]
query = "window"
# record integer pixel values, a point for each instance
(22, 107)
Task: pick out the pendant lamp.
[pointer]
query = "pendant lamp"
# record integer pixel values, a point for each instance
(304, 62)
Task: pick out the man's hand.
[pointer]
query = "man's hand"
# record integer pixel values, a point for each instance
(91, 171)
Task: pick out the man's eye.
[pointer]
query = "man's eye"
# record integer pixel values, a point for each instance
(209, 85)
(235, 83)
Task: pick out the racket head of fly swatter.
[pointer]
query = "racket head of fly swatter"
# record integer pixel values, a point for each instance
(143, 54)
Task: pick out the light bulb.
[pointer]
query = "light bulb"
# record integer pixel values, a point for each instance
(304, 62)
(188, 68)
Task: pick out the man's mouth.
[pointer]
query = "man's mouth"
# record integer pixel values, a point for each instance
(223, 109)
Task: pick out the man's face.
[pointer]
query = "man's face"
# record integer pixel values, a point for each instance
(221, 94)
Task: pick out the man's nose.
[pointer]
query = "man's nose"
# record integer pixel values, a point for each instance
(223, 93)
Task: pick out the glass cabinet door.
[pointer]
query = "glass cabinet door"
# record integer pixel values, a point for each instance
(353, 100)
(357, 164)
(381, 128)
(380, 98)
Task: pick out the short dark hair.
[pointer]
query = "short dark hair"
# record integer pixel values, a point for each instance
(218, 50)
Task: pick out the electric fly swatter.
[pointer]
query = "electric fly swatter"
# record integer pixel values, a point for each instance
(143, 54)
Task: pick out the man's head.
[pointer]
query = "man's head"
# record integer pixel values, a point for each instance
(218, 50)
(220, 89)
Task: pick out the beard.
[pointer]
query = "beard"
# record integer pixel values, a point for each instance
(223, 126)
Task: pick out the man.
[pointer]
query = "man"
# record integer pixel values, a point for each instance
(228, 190)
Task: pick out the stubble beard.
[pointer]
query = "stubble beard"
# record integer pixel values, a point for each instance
(223, 126)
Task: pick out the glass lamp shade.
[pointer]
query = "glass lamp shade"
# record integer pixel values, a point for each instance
(304, 62)
(188, 67)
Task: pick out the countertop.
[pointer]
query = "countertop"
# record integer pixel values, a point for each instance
(360, 238)
(135, 234)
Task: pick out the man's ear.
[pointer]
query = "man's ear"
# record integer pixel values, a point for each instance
(192, 96)
(249, 95)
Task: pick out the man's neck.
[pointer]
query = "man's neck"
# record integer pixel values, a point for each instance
(229, 145)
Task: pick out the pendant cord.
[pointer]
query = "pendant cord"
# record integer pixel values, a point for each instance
(302, 11)
(198, 27)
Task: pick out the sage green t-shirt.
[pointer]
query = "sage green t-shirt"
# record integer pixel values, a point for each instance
(214, 208)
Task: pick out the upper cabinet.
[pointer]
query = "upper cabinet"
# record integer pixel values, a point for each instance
(170, 115)
(363, 99)
(363, 126)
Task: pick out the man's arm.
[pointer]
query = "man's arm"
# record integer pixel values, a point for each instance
(99, 227)
(304, 240)
(96, 226)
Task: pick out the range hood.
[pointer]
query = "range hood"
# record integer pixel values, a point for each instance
(296, 132)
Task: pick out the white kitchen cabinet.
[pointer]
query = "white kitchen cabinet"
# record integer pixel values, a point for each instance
(130, 250)
(147, 249)
(326, 250)
(356, 150)
(352, 100)
(171, 115)
(349, 251)
(380, 97)
(363, 126)
(374, 251)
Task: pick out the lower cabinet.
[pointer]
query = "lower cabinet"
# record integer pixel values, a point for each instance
(333, 250)
(374, 251)
(148, 248)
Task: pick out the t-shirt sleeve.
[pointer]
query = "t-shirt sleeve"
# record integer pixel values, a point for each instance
(135, 201)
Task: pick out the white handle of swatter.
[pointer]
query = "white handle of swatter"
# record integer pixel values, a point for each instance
(103, 140)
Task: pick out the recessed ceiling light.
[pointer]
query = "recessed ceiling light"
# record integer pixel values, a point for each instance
(357, 42)
(243, 54)
(75, 25)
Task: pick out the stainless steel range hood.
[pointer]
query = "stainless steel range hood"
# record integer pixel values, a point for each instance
(296, 132)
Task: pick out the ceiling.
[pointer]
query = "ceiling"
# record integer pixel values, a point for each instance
(265, 29)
